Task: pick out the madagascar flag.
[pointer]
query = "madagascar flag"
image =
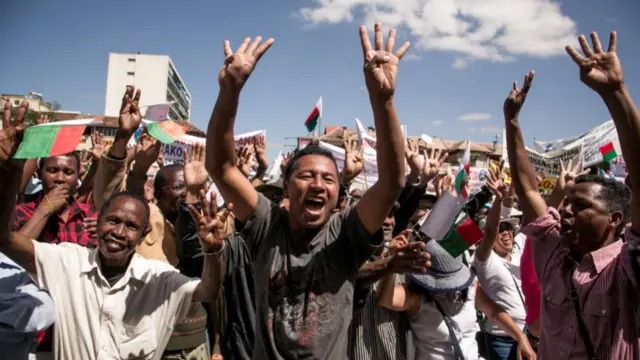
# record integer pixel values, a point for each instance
(462, 234)
(314, 117)
(608, 152)
(52, 139)
(166, 132)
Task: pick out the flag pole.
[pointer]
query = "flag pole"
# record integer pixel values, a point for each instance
(320, 120)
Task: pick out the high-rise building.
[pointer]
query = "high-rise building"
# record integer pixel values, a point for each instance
(155, 75)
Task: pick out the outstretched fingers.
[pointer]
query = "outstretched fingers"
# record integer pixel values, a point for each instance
(365, 42)
(402, 50)
(377, 30)
(595, 40)
(613, 41)
(586, 49)
(6, 115)
(528, 79)
(391, 40)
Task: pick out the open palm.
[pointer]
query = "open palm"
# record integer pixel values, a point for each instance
(238, 66)
(599, 70)
(380, 63)
(210, 224)
(195, 173)
(11, 134)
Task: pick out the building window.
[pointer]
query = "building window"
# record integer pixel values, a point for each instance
(16, 102)
(131, 59)
(130, 73)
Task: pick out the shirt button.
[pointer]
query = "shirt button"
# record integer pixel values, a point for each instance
(562, 353)
(604, 311)
(548, 298)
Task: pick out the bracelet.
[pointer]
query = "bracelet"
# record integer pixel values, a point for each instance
(49, 204)
(215, 253)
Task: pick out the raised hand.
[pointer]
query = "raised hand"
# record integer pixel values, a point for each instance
(260, 149)
(42, 119)
(97, 144)
(516, 98)
(495, 183)
(239, 65)
(130, 116)
(147, 151)
(599, 70)
(210, 224)
(568, 175)
(380, 63)
(11, 134)
(412, 154)
(353, 161)
(195, 174)
(432, 164)
(244, 160)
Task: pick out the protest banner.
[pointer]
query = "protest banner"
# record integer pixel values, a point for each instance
(174, 153)
(591, 141)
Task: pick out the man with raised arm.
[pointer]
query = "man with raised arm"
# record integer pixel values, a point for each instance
(306, 260)
(589, 290)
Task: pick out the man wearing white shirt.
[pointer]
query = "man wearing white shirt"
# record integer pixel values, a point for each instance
(110, 303)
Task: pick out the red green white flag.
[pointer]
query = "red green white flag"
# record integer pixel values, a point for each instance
(463, 172)
(166, 132)
(52, 139)
(314, 118)
(608, 152)
(463, 234)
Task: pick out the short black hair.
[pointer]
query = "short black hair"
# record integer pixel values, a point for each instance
(615, 194)
(147, 209)
(71, 154)
(161, 176)
(311, 149)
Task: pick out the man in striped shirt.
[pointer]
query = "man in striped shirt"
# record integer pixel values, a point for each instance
(589, 289)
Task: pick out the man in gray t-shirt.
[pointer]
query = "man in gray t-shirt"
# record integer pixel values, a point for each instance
(304, 287)
(306, 258)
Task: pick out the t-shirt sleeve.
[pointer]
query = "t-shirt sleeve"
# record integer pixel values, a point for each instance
(488, 269)
(362, 244)
(50, 260)
(180, 292)
(257, 226)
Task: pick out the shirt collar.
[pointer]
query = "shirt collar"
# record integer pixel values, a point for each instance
(136, 269)
(604, 256)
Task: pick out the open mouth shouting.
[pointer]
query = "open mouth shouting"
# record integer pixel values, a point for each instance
(313, 207)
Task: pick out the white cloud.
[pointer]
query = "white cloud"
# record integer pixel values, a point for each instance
(460, 63)
(495, 30)
(437, 122)
(411, 57)
(474, 117)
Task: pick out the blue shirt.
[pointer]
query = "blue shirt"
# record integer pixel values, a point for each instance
(24, 309)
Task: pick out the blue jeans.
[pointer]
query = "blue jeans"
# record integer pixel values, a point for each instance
(500, 347)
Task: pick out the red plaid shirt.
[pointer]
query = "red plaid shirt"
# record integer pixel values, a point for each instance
(56, 230)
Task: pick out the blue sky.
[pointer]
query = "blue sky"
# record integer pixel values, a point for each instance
(61, 49)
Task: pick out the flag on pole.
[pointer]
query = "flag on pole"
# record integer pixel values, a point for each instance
(158, 112)
(463, 234)
(314, 117)
(166, 131)
(52, 139)
(463, 172)
(608, 152)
